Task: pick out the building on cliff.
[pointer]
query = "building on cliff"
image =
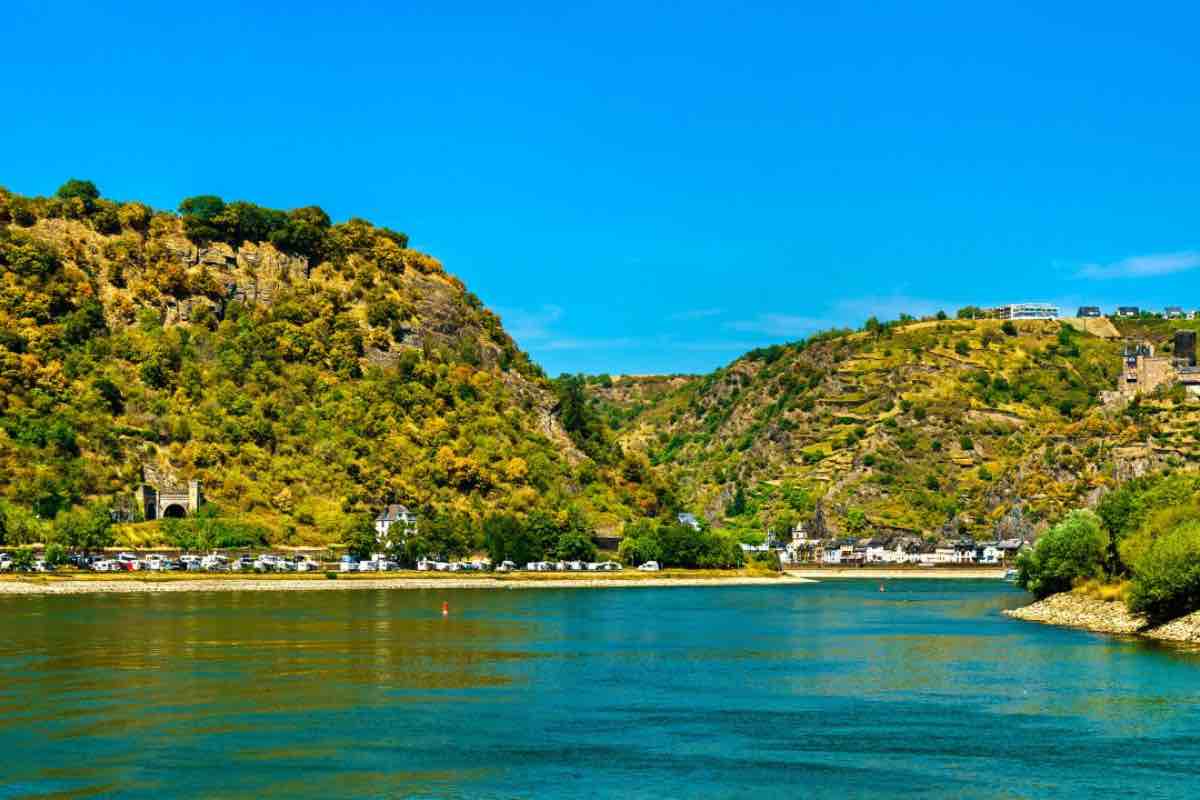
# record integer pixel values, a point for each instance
(1144, 372)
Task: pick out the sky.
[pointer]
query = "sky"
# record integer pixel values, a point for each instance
(641, 187)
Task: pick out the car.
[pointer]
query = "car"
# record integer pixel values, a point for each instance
(506, 566)
(649, 566)
(306, 564)
(214, 562)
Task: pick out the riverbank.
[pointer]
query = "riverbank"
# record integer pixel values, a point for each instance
(135, 583)
(1072, 610)
(898, 573)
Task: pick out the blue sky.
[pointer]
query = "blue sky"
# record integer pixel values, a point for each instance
(641, 187)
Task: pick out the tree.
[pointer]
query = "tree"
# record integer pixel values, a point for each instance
(111, 394)
(84, 529)
(737, 506)
(575, 546)
(55, 555)
(84, 191)
(506, 539)
(23, 560)
(961, 347)
(1009, 328)
(544, 529)
(1166, 581)
(201, 217)
(360, 536)
(3, 526)
(1074, 549)
(84, 323)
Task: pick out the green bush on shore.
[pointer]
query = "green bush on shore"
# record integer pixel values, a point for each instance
(1167, 575)
(1074, 549)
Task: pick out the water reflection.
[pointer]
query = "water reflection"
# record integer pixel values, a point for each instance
(923, 689)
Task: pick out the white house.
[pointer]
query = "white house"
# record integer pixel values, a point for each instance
(875, 553)
(690, 520)
(398, 517)
(990, 553)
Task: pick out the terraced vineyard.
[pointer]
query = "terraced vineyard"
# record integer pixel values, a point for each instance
(939, 426)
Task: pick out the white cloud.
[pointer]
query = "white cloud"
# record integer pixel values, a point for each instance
(1147, 266)
(778, 324)
(526, 325)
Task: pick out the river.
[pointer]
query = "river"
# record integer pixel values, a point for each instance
(823, 690)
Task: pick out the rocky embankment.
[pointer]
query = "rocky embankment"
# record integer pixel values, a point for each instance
(1087, 613)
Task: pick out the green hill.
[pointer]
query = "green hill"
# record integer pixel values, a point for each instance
(931, 427)
(301, 369)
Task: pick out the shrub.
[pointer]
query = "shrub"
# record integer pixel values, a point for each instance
(1073, 549)
(22, 560)
(1166, 581)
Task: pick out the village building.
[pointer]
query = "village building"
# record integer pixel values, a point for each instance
(964, 551)
(1144, 371)
(394, 523)
(1174, 312)
(689, 520)
(1026, 311)
(1088, 311)
(1128, 311)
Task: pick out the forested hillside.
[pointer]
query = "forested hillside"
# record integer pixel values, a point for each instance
(934, 427)
(302, 370)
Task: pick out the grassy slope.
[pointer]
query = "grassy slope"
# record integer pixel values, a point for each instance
(879, 424)
(296, 392)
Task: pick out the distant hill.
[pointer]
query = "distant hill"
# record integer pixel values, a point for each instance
(301, 369)
(934, 427)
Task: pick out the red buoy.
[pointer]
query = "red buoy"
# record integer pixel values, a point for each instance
(445, 608)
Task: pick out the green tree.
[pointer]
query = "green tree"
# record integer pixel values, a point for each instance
(360, 537)
(1166, 581)
(1074, 549)
(55, 555)
(202, 218)
(506, 539)
(23, 560)
(575, 546)
(737, 506)
(84, 529)
(1009, 328)
(84, 191)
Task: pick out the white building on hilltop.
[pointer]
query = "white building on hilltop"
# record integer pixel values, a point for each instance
(1027, 311)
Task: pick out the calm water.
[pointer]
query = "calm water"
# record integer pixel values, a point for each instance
(829, 690)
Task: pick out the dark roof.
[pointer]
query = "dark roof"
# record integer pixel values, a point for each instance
(393, 513)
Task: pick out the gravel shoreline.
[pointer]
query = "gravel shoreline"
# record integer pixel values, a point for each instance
(135, 586)
(1087, 613)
